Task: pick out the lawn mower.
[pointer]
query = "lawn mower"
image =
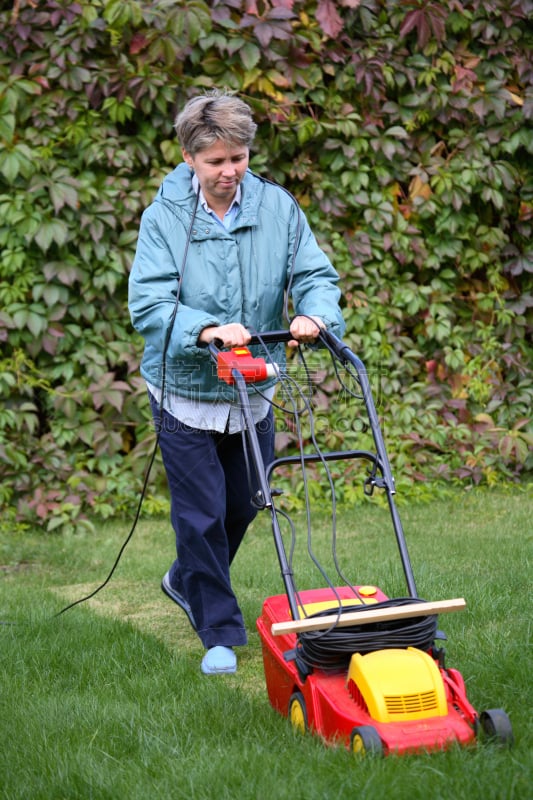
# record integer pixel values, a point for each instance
(345, 661)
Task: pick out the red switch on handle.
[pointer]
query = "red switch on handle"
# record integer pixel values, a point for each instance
(252, 369)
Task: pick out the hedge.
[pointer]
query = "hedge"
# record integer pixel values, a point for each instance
(404, 129)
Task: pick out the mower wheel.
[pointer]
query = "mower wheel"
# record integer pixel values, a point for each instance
(298, 713)
(496, 726)
(364, 740)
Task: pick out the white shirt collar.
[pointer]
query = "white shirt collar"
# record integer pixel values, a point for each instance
(203, 202)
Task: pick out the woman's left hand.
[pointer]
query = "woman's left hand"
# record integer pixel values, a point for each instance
(305, 329)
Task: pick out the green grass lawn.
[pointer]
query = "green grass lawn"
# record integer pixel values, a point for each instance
(108, 701)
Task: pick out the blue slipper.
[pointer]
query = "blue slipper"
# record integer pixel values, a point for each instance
(219, 660)
(177, 598)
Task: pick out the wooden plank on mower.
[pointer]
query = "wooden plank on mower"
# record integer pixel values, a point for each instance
(368, 616)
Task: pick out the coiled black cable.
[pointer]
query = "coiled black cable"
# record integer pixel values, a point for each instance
(333, 648)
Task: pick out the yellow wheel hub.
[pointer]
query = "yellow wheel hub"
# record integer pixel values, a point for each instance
(297, 716)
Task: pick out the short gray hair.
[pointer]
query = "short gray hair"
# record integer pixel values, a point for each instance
(212, 117)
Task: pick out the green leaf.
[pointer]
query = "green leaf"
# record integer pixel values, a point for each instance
(9, 165)
(62, 194)
(7, 125)
(36, 323)
(250, 55)
(54, 230)
(306, 130)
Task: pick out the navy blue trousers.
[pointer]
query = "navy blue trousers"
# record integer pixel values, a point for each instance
(211, 508)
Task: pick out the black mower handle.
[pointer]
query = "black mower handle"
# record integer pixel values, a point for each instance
(268, 337)
(345, 356)
(273, 337)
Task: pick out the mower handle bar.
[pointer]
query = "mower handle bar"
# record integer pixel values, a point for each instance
(273, 337)
(343, 353)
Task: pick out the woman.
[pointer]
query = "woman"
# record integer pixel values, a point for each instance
(218, 249)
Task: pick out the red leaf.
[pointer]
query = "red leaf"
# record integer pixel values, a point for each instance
(416, 20)
(138, 43)
(328, 18)
(283, 4)
(426, 21)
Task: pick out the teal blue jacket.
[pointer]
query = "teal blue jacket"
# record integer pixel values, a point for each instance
(236, 275)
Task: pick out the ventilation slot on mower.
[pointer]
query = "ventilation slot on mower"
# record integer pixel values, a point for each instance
(411, 703)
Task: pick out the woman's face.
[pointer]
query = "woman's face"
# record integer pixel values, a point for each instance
(219, 169)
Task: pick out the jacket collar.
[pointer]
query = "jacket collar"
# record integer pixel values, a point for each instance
(177, 188)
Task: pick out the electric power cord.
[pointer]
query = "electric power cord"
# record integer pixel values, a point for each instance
(332, 649)
(158, 422)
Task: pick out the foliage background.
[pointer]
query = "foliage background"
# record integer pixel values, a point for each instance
(404, 129)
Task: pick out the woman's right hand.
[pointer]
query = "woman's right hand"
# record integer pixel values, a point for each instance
(231, 335)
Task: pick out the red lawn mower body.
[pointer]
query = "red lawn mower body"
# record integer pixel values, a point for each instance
(334, 708)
